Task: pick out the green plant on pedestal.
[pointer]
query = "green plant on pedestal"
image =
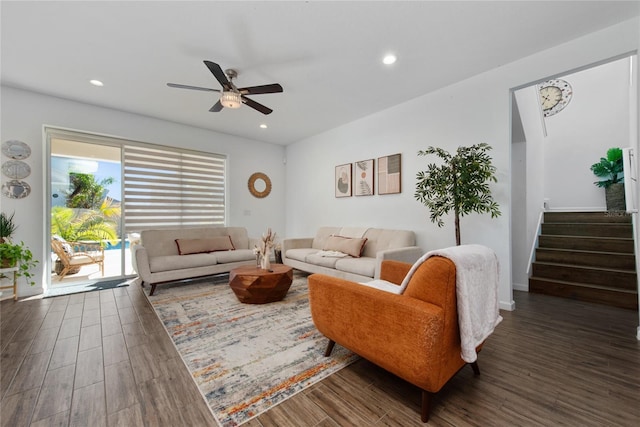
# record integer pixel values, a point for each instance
(611, 169)
(460, 184)
(18, 255)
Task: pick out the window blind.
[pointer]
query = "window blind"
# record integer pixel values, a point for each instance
(167, 188)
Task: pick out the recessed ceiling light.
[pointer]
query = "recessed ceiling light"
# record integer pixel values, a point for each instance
(389, 59)
(263, 126)
(96, 82)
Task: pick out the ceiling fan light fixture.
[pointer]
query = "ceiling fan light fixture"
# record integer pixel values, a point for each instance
(230, 99)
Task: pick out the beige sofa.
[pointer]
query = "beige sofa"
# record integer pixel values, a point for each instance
(205, 251)
(314, 254)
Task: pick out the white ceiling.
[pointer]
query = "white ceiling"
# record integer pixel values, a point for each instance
(326, 55)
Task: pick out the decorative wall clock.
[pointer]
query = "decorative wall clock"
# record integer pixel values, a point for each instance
(259, 185)
(555, 95)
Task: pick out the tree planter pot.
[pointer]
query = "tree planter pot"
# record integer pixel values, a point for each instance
(614, 195)
(58, 267)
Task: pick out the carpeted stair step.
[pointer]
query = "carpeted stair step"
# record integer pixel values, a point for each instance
(587, 258)
(586, 243)
(588, 229)
(609, 277)
(622, 298)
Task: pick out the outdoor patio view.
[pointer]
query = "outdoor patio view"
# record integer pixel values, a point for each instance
(86, 239)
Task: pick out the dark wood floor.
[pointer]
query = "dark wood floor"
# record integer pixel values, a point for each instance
(104, 359)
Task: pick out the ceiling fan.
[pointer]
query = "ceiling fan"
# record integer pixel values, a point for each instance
(232, 96)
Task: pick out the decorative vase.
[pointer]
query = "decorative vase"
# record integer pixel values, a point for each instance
(614, 195)
(265, 262)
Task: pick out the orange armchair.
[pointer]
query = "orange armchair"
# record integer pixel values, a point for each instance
(414, 335)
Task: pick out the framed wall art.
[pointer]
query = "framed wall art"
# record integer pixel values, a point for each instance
(363, 178)
(343, 180)
(389, 174)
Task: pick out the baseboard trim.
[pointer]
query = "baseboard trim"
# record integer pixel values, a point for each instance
(521, 287)
(508, 306)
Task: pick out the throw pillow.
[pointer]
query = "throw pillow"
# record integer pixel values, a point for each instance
(199, 246)
(348, 245)
(66, 247)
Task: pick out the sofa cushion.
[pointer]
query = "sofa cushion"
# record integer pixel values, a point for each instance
(348, 245)
(300, 254)
(66, 247)
(235, 256)
(383, 239)
(322, 235)
(162, 242)
(363, 266)
(383, 285)
(323, 261)
(198, 246)
(179, 262)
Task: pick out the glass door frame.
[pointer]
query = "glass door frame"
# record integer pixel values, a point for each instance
(51, 133)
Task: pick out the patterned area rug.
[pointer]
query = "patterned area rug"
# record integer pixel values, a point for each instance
(245, 358)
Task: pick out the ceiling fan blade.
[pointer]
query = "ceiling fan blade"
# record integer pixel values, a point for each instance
(218, 74)
(179, 86)
(255, 90)
(216, 107)
(256, 106)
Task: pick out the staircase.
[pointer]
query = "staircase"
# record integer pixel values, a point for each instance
(587, 256)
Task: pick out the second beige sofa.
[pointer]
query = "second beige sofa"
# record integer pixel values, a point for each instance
(310, 253)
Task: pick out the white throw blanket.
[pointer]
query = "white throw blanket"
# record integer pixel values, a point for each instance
(331, 254)
(477, 273)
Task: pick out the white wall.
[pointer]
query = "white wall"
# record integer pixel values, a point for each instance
(24, 113)
(596, 119)
(533, 185)
(471, 111)
(558, 164)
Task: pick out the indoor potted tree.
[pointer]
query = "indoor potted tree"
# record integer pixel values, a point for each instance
(460, 184)
(611, 168)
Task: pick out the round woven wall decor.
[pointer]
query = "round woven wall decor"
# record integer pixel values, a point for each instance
(252, 185)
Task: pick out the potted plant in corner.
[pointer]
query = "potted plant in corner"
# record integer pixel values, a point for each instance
(460, 184)
(7, 227)
(15, 254)
(18, 255)
(611, 170)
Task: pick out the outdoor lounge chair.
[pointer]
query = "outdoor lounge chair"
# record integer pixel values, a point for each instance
(73, 255)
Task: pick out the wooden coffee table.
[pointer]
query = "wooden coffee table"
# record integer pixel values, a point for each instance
(257, 286)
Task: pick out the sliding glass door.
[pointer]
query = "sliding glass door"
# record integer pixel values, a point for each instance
(85, 212)
(103, 191)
